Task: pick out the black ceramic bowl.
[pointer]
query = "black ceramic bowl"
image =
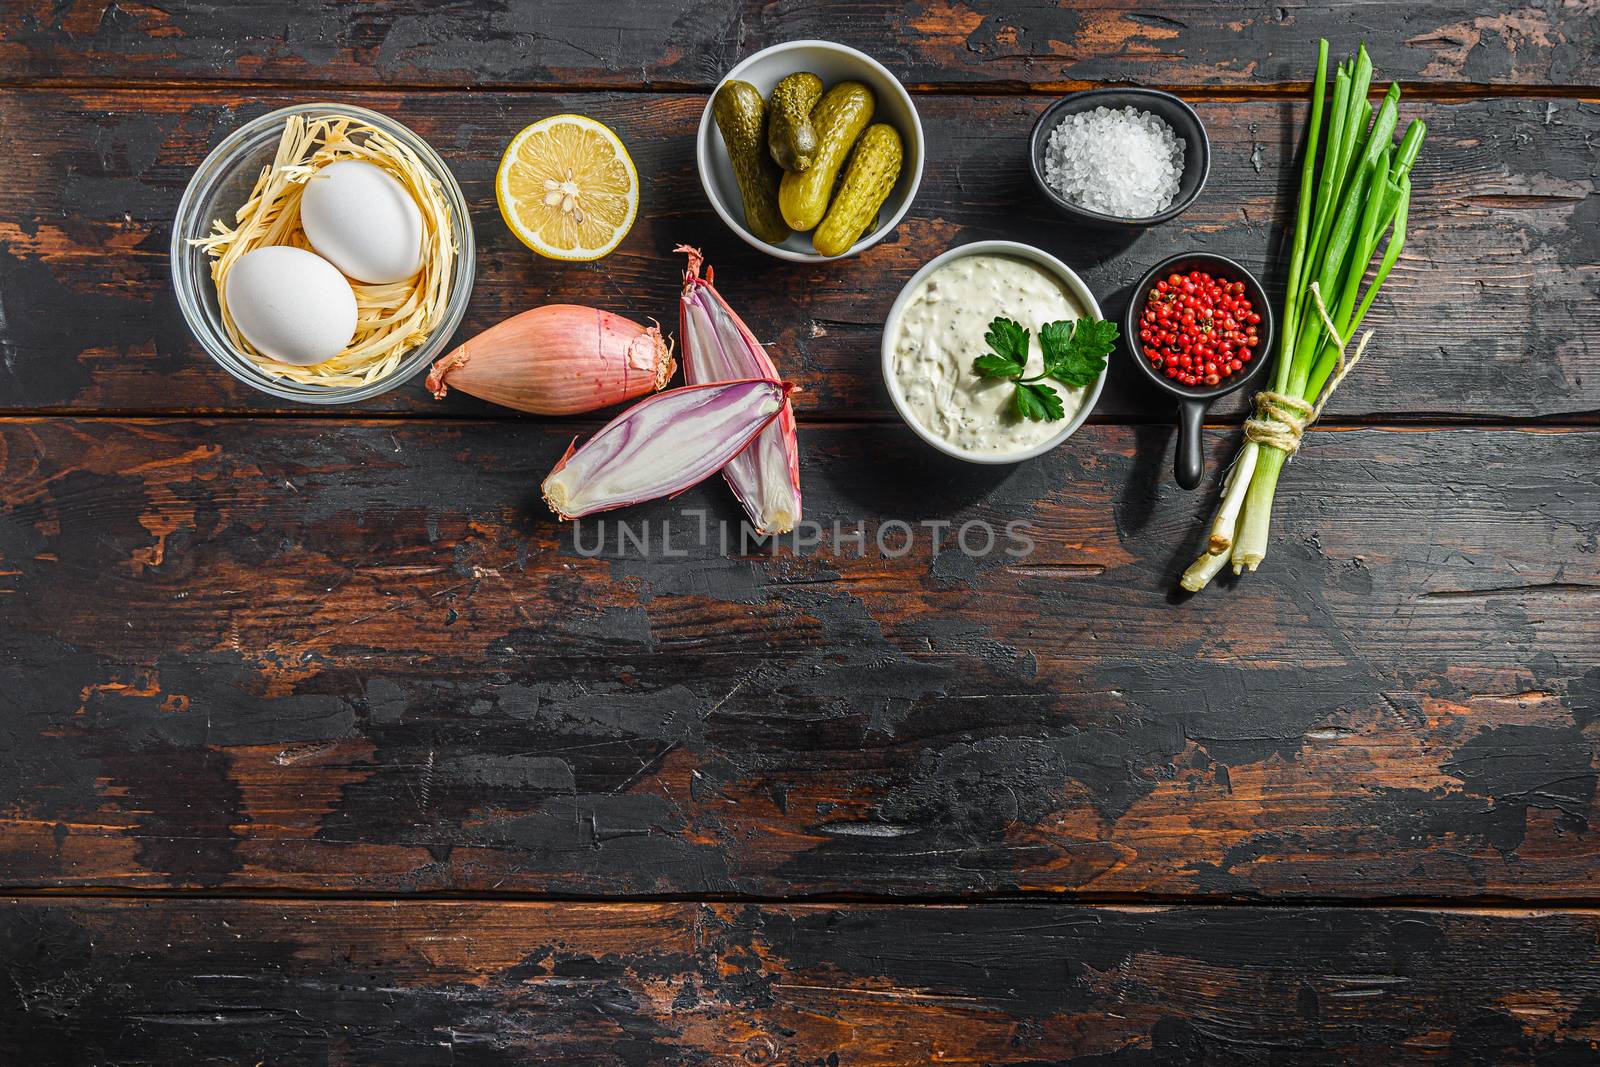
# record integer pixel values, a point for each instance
(1179, 115)
(1194, 400)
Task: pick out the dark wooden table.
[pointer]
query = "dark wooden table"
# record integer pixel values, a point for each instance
(320, 742)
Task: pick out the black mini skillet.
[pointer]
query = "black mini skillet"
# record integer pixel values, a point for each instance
(1193, 401)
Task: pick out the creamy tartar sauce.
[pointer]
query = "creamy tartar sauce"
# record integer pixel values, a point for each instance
(940, 333)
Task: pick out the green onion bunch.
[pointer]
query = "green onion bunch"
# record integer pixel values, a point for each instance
(1355, 191)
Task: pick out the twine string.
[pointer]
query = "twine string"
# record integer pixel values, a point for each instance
(1281, 420)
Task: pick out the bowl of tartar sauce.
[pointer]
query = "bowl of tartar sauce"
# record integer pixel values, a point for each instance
(936, 329)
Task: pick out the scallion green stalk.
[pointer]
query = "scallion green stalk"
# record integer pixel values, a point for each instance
(1397, 240)
(1302, 215)
(1332, 173)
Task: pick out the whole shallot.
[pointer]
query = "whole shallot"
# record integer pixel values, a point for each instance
(718, 346)
(560, 359)
(663, 445)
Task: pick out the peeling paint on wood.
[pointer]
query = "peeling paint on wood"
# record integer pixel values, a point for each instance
(438, 982)
(402, 675)
(666, 43)
(1497, 277)
(330, 656)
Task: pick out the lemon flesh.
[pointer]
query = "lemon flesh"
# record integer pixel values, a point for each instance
(567, 188)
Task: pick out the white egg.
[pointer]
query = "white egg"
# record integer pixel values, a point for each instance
(363, 221)
(291, 304)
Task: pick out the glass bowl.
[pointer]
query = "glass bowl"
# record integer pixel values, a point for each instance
(223, 182)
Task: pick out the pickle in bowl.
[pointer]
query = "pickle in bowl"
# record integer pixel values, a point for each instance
(869, 177)
(741, 117)
(786, 160)
(791, 137)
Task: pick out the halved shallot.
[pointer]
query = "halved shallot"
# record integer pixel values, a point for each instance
(663, 445)
(560, 359)
(718, 346)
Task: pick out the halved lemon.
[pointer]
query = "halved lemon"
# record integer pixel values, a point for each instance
(567, 188)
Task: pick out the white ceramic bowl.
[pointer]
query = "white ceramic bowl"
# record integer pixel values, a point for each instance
(891, 327)
(833, 63)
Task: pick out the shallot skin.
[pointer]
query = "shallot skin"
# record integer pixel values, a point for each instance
(663, 445)
(718, 345)
(559, 359)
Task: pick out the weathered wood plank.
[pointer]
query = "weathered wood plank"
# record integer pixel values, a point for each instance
(220, 981)
(1488, 314)
(669, 43)
(360, 657)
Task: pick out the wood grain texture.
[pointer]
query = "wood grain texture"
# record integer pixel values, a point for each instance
(359, 657)
(356, 659)
(1487, 315)
(691, 43)
(430, 983)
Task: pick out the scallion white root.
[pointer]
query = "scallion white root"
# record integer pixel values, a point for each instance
(1233, 489)
(1202, 570)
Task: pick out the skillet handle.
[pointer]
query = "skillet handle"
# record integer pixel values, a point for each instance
(1190, 462)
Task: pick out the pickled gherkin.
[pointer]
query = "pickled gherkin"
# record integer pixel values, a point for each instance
(839, 117)
(873, 169)
(790, 135)
(741, 116)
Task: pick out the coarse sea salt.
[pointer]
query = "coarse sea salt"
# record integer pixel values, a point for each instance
(1123, 162)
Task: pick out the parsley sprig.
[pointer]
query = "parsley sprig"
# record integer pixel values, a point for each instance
(1074, 354)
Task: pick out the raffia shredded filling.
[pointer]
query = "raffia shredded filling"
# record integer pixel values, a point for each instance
(391, 319)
